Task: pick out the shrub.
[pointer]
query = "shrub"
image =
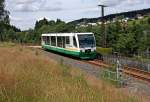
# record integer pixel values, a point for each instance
(104, 51)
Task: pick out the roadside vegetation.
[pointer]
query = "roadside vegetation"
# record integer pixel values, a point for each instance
(28, 76)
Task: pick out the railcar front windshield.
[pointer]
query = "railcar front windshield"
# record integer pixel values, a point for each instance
(86, 40)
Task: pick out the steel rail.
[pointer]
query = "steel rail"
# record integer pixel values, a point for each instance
(134, 72)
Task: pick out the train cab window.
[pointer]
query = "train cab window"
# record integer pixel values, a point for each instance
(59, 42)
(53, 41)
(86, 40)
(74, 42)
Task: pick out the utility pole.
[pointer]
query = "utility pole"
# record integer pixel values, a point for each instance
(104, 35)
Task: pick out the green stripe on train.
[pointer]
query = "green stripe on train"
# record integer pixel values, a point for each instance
(61, 50)
(91, 55)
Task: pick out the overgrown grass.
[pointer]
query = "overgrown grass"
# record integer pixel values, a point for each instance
(6, 44)
(110, 76)
(26, 76)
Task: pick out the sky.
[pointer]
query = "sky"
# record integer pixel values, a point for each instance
(24, 13)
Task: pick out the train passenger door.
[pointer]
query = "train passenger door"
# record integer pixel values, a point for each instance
(43, 40)
(64, 42)
(53, 41)
(59, 41)
(74, 42)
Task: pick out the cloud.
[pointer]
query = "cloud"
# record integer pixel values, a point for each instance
(34, 5)
(17, 19)
(50, 5)
(134, 2)
(24, 13)
(123, 2)
(59, 5)
(111, 2)
(25, 1)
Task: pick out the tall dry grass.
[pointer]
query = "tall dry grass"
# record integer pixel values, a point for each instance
(28, 76)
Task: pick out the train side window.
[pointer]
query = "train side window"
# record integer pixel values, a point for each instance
(63, 41)
(53, 41)
(59, 41)
(50, 40)
(67, 40)
(47, 40)
(74, 42)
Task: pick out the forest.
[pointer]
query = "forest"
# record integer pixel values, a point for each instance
(128, 38)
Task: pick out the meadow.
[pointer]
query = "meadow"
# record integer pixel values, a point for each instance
(29, 76)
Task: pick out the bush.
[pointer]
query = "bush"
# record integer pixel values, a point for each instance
(104, 51)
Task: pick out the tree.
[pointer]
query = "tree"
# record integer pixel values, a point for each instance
(98, 35)
(40, 23)
(126, 44)
(4, 14)
(58, 21)
(52, 22)
(4, 19)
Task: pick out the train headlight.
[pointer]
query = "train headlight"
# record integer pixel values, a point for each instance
(93, 50)
(82, 51)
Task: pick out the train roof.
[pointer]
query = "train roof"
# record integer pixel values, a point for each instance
(65, 34)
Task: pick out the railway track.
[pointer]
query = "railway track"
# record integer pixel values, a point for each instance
(139, 74)
(134, 72)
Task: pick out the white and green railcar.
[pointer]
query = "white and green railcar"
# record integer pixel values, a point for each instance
(80, 45)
